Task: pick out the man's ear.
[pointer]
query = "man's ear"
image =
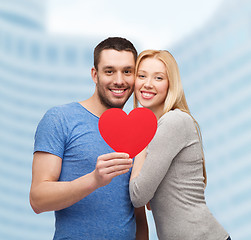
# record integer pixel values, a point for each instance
(94, 75)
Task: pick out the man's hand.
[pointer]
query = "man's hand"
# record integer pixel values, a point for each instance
(141, 224)
(111, 165)
(148, 206)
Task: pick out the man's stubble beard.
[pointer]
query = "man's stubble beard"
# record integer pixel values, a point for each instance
(105, 101)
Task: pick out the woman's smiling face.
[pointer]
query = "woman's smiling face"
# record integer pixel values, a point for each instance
(151, 84)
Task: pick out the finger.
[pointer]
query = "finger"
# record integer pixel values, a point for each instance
(113, 155)
(115, 174)
(116, 168)
(114, 162)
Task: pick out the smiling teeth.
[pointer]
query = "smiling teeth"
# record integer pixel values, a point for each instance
(117, 91)
(147, 94)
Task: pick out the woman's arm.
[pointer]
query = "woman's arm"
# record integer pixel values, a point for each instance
(138, 163)
(168, 141)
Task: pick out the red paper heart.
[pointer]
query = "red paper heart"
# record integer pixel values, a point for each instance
(128, 133)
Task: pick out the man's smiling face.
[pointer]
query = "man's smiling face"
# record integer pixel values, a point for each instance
(115, 77)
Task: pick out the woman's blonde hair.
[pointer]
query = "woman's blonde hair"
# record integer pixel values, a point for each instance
(175, 94)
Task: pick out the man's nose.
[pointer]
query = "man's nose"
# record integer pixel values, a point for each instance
(119, 78)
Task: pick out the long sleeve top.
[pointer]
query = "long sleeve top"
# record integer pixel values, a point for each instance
(171, 178)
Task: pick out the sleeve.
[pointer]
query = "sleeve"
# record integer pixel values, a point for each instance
(169, 140)
(50, 134)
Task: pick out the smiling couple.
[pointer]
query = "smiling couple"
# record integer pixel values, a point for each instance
(91, 188)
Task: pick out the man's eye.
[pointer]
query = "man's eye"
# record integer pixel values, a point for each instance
(127, 71)
(108, 71)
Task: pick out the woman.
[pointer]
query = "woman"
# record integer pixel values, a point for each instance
(171, 172)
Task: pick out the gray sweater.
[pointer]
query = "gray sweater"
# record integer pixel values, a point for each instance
(172, 180)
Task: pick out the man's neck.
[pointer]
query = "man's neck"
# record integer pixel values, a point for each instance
(94, 106)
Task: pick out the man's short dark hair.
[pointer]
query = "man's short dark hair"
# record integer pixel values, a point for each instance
(116, 43)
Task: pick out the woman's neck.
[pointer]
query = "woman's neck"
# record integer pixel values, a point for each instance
(158, 112)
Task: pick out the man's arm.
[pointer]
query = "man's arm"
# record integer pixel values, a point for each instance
(49, 194)
(141, 224)
(140, 214)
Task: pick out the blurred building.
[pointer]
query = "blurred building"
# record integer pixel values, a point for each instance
(215, 65)
(39, 70)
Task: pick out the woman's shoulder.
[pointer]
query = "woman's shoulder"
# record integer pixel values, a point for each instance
(176, 117)
(177, 122)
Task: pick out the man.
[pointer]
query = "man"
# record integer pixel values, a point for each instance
(75, 173)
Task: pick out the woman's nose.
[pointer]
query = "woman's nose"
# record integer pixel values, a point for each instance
(148, 83)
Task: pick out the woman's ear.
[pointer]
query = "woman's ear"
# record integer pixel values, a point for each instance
(94, 75)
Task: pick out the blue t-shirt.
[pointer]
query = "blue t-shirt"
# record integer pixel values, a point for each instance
(71, 132)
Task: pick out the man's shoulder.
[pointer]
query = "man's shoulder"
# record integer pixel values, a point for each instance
(73, 113)
(62, 109)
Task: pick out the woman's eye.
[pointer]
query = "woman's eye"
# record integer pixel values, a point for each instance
(141, 76)
(159, 78)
